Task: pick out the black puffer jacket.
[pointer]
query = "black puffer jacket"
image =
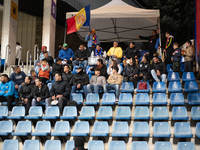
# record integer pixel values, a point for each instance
(161, 66)
(43, 93)
(67, 77)
(25, 91)
(82, 54)
(144, 68)
(81, 78)
(57, 68)
(60, 88)
(132, 52)
(129, 70)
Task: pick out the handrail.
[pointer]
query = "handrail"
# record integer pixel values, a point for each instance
(8, 51)
(36, 48)
(28, 52)
(9, 70)
(22, 63)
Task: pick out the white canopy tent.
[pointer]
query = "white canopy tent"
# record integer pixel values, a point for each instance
(118, 21)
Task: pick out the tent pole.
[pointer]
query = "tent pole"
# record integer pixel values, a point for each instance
(65, 31)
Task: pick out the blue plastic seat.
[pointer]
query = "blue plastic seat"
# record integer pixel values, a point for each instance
(142, 99)
(125, 99)
(188, 76)
(182, 130)
(69, 112)
(95, 145)
(161, 129)
(87, 112)
(173, 76)
(43, 128)
(78, 97)
(35, 112)
(53, 145)
(191, 86)
(186, 146)
(105, 112)
(160, 113)
(24, 128)
(159, 99)
(108, 99)
(62, 128)
(193, 98)
(92, 99)
(52, 112)
(169, 68)
(117, 145)
(81, 128)
(120, 129)
(18, 112)
(69, 145)
(179, 113)
(175, 87)
(159, 87)
(140, 129)
(49, 86)
(123, 113)
(139, 145)
(127, 87)
(6, 128)
(31, 145)
(141, 113)
(143, 91)
(177, 99)
(162, 145)
(100, 128)
(3, 112)
(195, 113)
(10, 145)
(198, 129)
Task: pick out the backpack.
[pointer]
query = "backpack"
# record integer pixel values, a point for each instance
(142, 85)
(72, 103)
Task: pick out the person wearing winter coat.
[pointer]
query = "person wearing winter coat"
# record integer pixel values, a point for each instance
(43, 49)
(92, 39)
(67, 75)
(18, 53)
(66, 54)
(189, 56)
(115, 51)
(101, 66)
(176, 58)
(44, 71)
(169, 47)
(57, 67)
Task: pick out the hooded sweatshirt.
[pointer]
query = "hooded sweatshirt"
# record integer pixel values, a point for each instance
(18, 52)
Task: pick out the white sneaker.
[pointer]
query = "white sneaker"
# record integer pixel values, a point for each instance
(9, 113)
(158, 80)
(116, 100)
(135, 90)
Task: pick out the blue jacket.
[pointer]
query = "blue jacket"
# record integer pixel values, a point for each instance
(18, 78)
(10, 87)
(42, 55)
(66, 54)
(90, 40)
(177, 56)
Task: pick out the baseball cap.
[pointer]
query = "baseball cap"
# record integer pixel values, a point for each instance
(65, 45)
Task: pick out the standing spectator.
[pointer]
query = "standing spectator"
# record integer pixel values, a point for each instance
(18, 76)
(159, 70)
(189, 56)
(96, 82)
(92, 39)
(48, 58)
(67, 75)
(40, 93)
(151, 43)
(57, 67)
(115, 51)
(66, 54)
(8, 93)
(80, 81)
(44, 71)
(25, 95)
(176, 58)
(115, 80)
(81, 57)
(60, 91)
(114, 64)
(43, 49)
(33, 76)
(169, 47)
(131, 52)
(101, 67)
(18, 53)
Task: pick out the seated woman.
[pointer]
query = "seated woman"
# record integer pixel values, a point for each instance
(114, 64)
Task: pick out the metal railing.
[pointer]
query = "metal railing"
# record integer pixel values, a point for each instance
(22, 63)
(9, 70)
(30, 58)
(7, 61)
(36, 50)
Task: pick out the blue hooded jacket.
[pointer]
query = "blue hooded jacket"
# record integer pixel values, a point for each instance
(66, 54)
(10, 87)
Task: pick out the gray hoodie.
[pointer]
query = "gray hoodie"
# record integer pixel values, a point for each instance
(98, 80)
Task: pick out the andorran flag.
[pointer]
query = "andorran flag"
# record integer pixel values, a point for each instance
(82, 18)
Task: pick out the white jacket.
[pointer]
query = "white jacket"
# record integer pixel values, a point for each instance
(18, 52)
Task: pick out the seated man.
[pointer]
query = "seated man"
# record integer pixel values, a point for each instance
(44, 71)
(40, 92)
(48, 58)
(115, 80)
(99, 51)
(25, 95)
(80, 81)
(18, 76)
(81, 57)
(60, 92)
(159, 70)
(57, 67)
(33, 76)
(66, 54)
(67, 75)
(8, 93)
(115, 51)
(101, 66)
(96, 82)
